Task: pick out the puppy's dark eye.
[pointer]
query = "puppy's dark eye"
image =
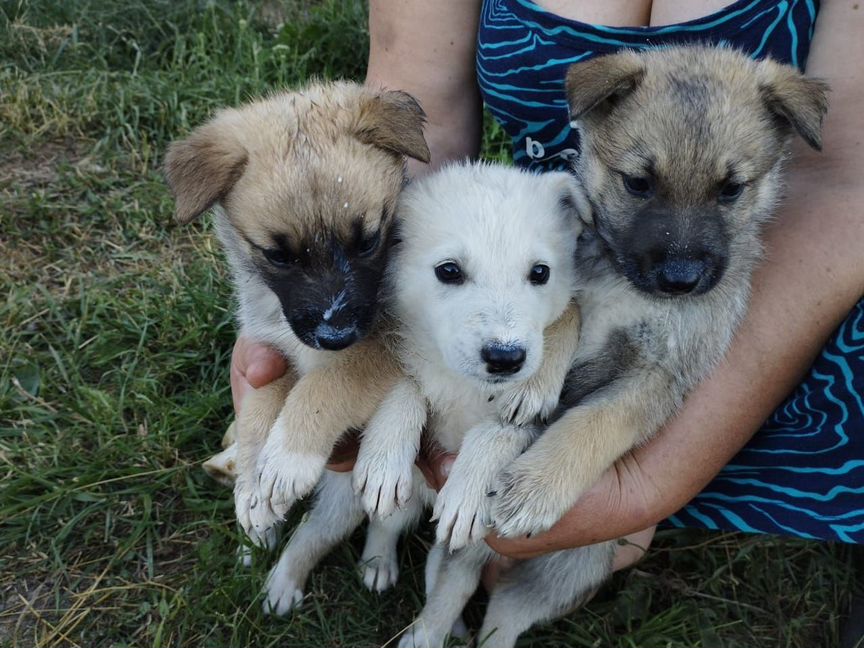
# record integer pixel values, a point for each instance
(730, 191)
(449, 273)
(277, 257)
(539, 274)
(369, 244)
(642, 187)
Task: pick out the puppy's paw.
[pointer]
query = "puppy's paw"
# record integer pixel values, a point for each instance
(283, 478)
(384, 476)
(383, 483)
(420, 637)
(463, 511)
(380, 572)
(281, 595)
(255, 517)
(522, 503)
(525, 403)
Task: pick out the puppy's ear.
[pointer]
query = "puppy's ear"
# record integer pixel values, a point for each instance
(797, 101)
(202, 169)
(600, 82)
(572, 198)
(393, 120)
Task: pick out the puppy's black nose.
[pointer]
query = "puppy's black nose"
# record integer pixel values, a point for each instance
(502, 359)
(679, 277)
(335, 339)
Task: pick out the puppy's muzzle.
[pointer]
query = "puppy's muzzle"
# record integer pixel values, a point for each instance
(503, 359)
(335, 339)
(672, 275)
(680, 276)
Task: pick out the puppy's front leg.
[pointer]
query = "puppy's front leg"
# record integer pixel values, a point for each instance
(383, 474)
(260, 409)
(462, 507)
(540, 486)
(539, 395)
(324, 404)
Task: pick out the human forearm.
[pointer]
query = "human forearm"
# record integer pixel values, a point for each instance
(427, 49)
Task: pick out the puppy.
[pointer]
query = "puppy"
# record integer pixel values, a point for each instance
(304, 186)
(681, 158)
(481, 280)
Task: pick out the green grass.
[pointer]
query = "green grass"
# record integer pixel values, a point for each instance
(116, 335)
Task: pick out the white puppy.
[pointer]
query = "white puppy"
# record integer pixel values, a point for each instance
(484, 268)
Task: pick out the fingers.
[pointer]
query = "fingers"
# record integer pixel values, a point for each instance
(492, 571)
(253, 365)
(435, 464)
(265, 365)
(344, 455)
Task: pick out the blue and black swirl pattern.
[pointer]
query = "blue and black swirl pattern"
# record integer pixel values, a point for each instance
(803, 472)
(523, 52)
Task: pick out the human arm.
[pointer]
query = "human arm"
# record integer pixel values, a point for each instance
(427, 49)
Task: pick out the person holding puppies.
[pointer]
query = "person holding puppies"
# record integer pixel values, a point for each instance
(802, 334)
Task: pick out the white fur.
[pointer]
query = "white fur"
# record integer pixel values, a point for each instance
(383, 473)
(496, 223)
(336, 513)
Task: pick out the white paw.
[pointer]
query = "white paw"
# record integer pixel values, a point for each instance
(281, 593)
(524, 403)
(383, 483)
(380, 572)
(255, 517)
(522, 504)
(283, 478)
(419, 637)
(463, 511)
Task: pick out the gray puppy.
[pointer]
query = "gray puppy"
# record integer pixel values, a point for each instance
(682, 150)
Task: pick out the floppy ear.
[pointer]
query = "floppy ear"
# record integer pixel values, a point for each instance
(202, 169)
(601, 81)
(393, 120)
(796, 100)
(572, 198)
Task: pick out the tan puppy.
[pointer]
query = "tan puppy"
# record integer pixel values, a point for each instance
(304, 186)
(681, 158)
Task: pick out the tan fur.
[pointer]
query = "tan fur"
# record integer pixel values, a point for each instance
(686, 117)
(274, 163)
(260, 409)
(342, 396)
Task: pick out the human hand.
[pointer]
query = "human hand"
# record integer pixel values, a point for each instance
(617, 506)
(253, 365)
(622, 504)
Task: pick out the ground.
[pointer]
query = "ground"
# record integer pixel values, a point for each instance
(116, 334)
